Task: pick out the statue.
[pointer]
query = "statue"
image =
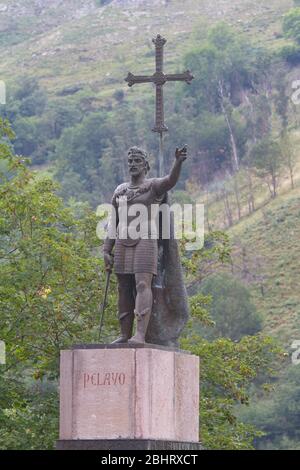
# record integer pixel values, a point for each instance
(150, 282)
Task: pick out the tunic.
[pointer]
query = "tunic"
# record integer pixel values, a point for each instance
(136, 255)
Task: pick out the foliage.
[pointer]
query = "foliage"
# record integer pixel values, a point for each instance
(228, 367)
(28, 415)
(37, 123)
(80, 150)
(291, 53)
(225, 57)
(46, 262)
(25, 109)
(231, 308)
(278, 416)
(227, 370)
(229, 69)
(102, 139)
(291, 24)
(267, 158)
(49, 296)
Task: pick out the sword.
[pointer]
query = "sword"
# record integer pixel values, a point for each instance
(108, 274)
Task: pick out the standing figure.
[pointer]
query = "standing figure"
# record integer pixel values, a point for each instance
(136, 260)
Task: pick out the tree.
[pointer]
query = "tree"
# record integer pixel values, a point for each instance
(95, 150)
(231, 308)
(51, 280)
(34, 104)
(278, 416)
(291, 25)
(62, 115)
(26, 109)
(227, 370)
(26, 142)
(227, 68)
(287, 140)
(49, 276)
(288, 151)
(32, 99)
(266, 157)
(80, 149)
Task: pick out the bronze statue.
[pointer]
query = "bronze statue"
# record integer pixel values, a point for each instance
(150, 282)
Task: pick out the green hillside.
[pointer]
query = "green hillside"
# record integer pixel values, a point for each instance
(271, 242)
(266, 249)
(94, 47)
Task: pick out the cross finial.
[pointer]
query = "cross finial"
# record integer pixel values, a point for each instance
(159, 79)
(159, 41)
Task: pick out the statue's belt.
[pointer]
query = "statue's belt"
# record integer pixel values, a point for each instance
(128, 241)
(132, 242)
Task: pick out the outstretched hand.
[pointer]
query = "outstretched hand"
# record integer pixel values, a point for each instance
(181, 154)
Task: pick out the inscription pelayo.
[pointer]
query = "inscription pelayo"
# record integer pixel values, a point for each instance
(98, 379)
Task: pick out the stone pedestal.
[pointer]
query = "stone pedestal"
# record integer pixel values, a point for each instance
(119, 395)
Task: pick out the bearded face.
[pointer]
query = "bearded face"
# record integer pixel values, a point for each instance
(137, 163)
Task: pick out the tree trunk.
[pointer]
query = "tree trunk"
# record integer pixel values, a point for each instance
(274, 185)
(291, 174)
(227, 208)
(237, 196)
(234, 151)
(251, 202)
(207, 213)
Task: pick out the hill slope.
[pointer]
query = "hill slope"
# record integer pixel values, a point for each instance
(267, 246)
(96, 46)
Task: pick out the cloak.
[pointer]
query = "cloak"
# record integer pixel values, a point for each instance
(170, 311)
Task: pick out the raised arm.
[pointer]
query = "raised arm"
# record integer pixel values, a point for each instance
(162, 185)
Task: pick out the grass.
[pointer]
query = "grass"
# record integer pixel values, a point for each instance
(117, 40)
(267, 254)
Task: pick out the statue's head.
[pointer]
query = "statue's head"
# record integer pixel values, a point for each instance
(137, 161)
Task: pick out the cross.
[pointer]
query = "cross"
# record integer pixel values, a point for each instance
(159, 79)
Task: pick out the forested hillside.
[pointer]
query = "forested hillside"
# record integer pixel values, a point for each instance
(73, 116)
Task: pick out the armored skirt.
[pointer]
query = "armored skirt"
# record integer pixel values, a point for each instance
(142, 257)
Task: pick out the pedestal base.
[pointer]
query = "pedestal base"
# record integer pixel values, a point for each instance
(125, 444)
(125, 394)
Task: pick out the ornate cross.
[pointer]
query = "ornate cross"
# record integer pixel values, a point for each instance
(159, 79)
